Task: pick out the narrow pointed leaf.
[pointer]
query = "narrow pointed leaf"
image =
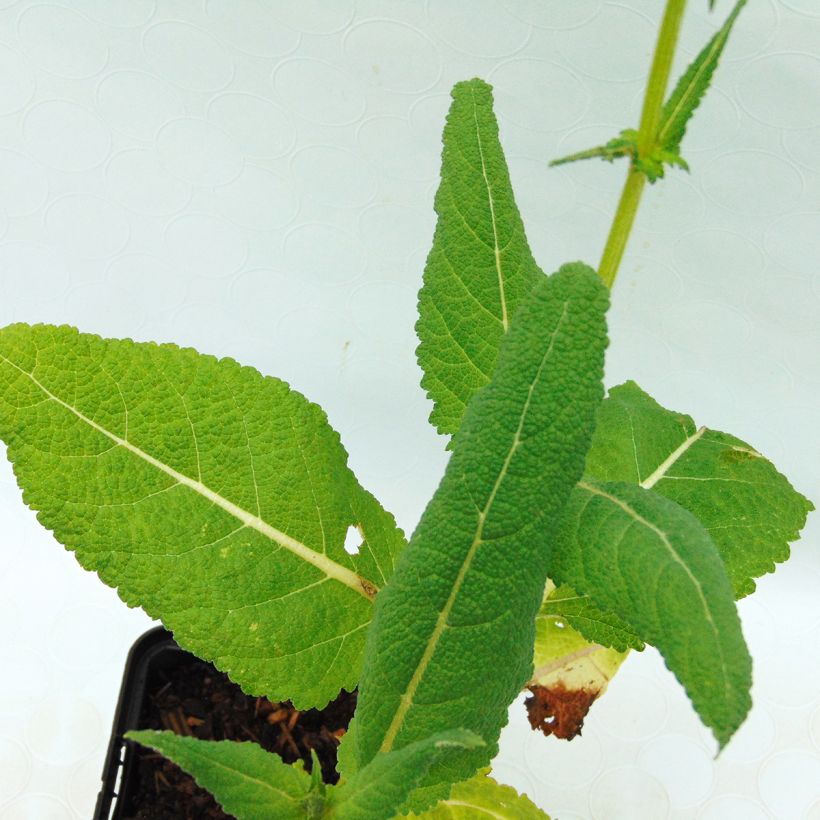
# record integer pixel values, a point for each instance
(380, 788)
(482, 798)
(692, 86)
(750, 510)
(245, 780)
(652, 563)
(213, 497)
(472, 578)
(480, 265)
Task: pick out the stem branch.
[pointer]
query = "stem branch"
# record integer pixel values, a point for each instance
(647, 135)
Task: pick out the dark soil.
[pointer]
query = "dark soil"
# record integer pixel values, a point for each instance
(195, 699)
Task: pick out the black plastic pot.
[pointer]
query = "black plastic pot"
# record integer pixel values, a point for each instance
(151, 653)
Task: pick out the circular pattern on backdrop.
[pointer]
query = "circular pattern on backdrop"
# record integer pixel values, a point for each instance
(333, 176)
(257, 199)
(18, 83)
(205, 245)
(627, 793)
(138, 180)
(198, 152)
(564, 97)
(63, 733)
(65, 136)
(25, 184)
(187, 56)
(256, 30)
(775, 89)
(738, 181)
(137, 103)
(63, 42)
(87, 226)
(793, 241)
(393, 56)
(318, 91)
(256, 125)
(488, 31)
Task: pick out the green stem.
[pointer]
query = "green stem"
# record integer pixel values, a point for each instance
(647, 134)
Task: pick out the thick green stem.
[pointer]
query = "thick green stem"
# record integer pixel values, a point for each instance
(647, 134)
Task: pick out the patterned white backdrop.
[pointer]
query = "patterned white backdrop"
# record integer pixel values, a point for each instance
(255, 179)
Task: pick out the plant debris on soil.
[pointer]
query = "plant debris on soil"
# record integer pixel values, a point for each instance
(195, 699)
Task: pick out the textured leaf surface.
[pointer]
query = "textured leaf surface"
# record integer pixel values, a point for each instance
(381, 787)
(749, 509)
(692, 86)
(213, 497)
(466, 591)
(480, 265)
(564, 605)
(652, 563)
(482, 798)
(246, 781)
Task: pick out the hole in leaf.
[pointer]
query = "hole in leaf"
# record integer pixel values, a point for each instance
(353, 540)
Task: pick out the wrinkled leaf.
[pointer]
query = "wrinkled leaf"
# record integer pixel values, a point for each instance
(215, 498)
(472, 578)
(480, 266)
(749, 509)
(564, 605)
(692, 86)
(245, 780)
(482, 797)
(381, 787)
(652, 563)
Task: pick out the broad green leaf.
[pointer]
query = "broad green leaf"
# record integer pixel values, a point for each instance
(651, 563)
(749, 509)
(472, 577)
(380, 788)
(688, 93)
(563, 605)
(480, 266)
(245, 780)
(213, 497)
(482, 797)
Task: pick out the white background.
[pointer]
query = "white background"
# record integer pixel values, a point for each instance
(256, 179)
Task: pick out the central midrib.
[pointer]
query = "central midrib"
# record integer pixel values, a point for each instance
(406, 698)
(328, 566)
(502, 296)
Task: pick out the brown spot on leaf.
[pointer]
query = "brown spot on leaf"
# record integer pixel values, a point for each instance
(559, 711)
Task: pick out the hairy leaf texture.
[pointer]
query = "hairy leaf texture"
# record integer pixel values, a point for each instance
(749, 509)
(480, 266)
(651, 562)
(465, 594)
(216, 499)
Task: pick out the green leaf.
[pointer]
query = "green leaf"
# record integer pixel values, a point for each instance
(565, 606)
(624, 145)
(482, 797)
(380, 788)
(749, 509)
(688, 93)
(651, 563)
(246, 781)
(480, 266)
(215, 498)
(472, 578)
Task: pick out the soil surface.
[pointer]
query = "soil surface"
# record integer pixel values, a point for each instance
(195, 699)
